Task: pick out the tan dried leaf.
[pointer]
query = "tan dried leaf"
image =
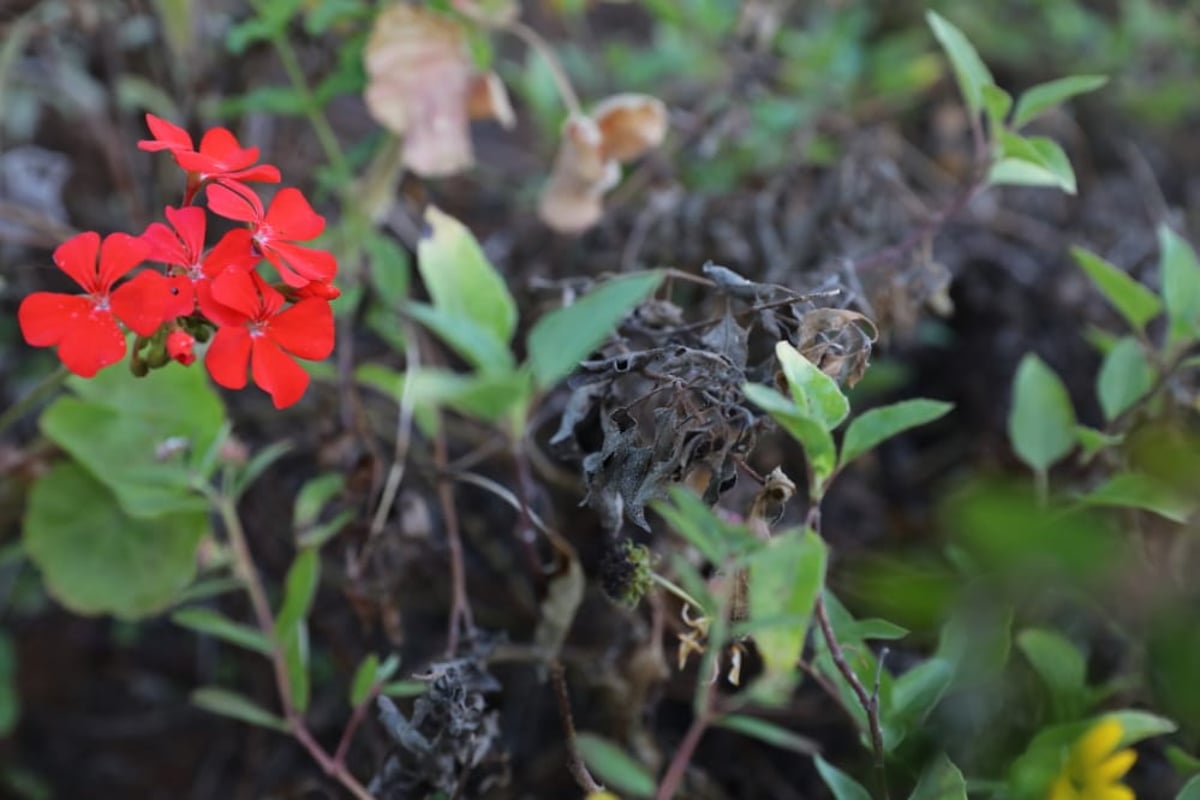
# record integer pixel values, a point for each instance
(631, 125)
(488, 99)
(572, 199)
(418, 76)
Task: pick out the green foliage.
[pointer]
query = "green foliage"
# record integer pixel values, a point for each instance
(1041, 424)
(562, 338)
(1062, 669)
(614, 767)
(839, 783)
(785, 577)
(1031, 161)
(1145, 492)
(1137, 304)
(941, 780)
(234, 705)
(10, 698)
(1038, 99)
(1181, 284)
(1125, 377)
(98, 559)
(969, 70)
(871, 428)
(768, 732)
(364, 680)
(461, 281)
(213, 623)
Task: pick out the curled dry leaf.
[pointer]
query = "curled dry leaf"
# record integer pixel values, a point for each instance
(421, 84)
(620, 129)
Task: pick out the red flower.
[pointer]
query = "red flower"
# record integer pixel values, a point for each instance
(253, 331)
(181, 245)
(180, 346)
(288, 220)
(220, 157)
(85, 326)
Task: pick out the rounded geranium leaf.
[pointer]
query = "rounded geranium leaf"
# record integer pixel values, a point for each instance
(45, 316)
(305, 330)
(228, 356)
(277, 374)
(91, 343)
(77, 257)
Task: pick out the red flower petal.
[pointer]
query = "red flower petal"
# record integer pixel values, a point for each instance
(324, 291)
(225, 152)
(263, 173)
(276, 374)
(142, 303)
(77, 257)
(119, 253)
(228, 356)
(243, 206)
(235, 251)
(181, 297)
(190, 224)
(91, 343)
(298, 265)
(213, 311)
(305, 330)
(45, 316)
(291, 217)
(166, 136)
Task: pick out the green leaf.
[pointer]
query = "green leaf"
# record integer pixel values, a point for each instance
(1032, 161)
(207, 621)
(996, 102)
(840, 784)
(614, 767)
(95, 558)
(784, 579)
(117, 425)
(969, 70)
(10, 697)
(1061, 667)
(477, 345)
(816, 394)
(811, 434)
(1044, 96)
(1138, 725)
(313, 496)
(1041, 424)
(364, 680)
(565, 336)
(300, 588)
(914, 695)
(870, 428)
(941, 780)
(460, 279)
(770, 733)
(1190, 790)
(389, 268)
(404, 688)
(1135, 490)
(1126, 375)
(1183, 762)
(294, 642)
(231, 704)
(1092, 441)
(1180, 284)
(1137, 304)
(259, 464)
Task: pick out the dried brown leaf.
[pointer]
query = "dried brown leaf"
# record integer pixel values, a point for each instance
(573, 198)
(631, 125)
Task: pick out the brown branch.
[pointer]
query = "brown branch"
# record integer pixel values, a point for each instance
(460, 604)
(579, 770)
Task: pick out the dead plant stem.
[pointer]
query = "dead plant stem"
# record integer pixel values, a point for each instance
(575, 764)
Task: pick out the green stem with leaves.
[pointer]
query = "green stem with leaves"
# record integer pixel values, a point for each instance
(247, 572)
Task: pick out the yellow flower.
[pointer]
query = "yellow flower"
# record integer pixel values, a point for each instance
(602, 795)
(1094, 768)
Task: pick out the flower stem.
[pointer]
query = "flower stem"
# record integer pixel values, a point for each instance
(23, 406)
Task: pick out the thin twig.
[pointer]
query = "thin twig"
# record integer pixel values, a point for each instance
(404, 417)
(869, 703)
(575, 764)
(535, 41)
(460, 604)
(687, 748)
(21, 407)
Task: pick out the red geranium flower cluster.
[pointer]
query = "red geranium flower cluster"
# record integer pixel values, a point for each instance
(260, 327)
